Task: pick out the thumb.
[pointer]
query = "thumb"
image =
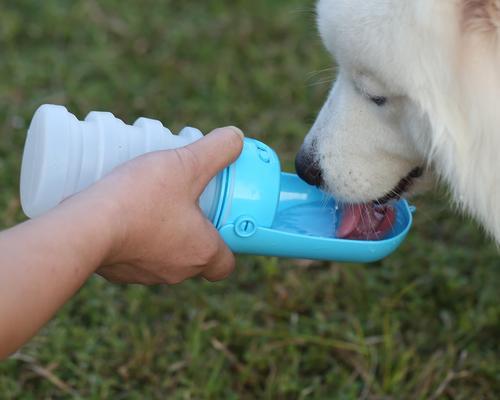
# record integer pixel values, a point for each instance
(213, 153)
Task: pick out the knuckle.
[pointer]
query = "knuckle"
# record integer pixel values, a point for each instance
(174, 280)
(188, 160)
(207, 253)
(150, 282)
(229, 269)
(223, 274)
(111, 278)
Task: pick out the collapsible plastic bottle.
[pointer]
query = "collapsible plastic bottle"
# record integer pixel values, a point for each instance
(64, 156)
(256, 207)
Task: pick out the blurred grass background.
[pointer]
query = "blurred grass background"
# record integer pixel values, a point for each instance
(423, 324)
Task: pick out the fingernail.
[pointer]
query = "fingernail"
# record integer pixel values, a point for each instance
(237, 130)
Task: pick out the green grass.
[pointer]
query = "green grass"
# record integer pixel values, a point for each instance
(422, 324)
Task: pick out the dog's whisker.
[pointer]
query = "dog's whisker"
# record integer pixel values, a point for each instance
(304, 10)
(314, 74)
(320, 83)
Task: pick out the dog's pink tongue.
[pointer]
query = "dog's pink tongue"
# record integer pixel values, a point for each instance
(366, 222)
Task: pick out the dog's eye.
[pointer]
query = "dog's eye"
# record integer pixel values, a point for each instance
(379, 100)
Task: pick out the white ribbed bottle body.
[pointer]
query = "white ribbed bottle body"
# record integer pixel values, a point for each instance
(64, 156)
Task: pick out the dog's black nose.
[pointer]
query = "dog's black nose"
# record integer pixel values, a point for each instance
(308, 168)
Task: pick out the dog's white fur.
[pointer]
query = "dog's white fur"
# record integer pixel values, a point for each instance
(438, 64)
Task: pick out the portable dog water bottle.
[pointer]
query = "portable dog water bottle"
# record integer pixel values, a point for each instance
(257, 208)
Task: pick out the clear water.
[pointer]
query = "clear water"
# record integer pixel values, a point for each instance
(312, 219)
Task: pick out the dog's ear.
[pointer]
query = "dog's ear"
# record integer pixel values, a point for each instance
(481, 16)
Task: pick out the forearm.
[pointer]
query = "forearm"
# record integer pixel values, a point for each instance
(43, 263)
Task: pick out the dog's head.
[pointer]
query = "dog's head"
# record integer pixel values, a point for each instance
(368, 142)
(400, 105)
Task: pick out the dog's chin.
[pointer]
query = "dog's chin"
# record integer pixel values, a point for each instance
(403, 188)
(416, 182)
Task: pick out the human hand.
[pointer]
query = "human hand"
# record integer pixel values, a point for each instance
(140, 224)
(159, 233)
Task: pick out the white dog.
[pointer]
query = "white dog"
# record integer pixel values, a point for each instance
(417, 92)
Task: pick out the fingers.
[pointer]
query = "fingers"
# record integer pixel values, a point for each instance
(222, 265)
(211, 154)
(219, 261)
(210, 258)
(123, 273)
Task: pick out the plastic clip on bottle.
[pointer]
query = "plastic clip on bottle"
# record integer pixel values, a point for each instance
(256, 208)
